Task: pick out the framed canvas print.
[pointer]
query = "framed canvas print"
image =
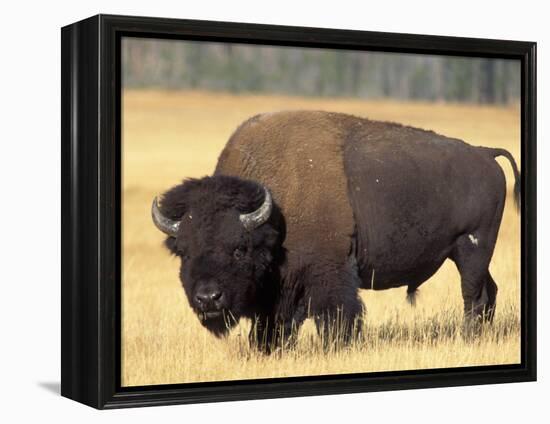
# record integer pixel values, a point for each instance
(253, 211)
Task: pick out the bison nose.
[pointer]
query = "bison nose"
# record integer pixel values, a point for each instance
(206, 297)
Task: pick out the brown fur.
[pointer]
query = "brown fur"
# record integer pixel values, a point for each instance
(399, 199)
(307, 146)
(351, 197)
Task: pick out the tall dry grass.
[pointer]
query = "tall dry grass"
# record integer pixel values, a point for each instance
(171, 135)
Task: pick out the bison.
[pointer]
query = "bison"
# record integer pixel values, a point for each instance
(307, 207)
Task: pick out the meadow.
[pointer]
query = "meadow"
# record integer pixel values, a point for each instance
(171, 135)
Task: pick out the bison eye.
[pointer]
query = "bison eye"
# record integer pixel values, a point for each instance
(239, 253)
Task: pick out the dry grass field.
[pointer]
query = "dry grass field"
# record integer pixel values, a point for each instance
(171, 135)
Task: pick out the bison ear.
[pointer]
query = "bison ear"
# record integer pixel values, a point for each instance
(174, 204)
(171, 245)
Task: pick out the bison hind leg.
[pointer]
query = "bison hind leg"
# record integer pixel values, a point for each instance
(479, 290)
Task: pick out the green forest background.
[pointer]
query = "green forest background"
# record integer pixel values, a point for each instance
(240, 68)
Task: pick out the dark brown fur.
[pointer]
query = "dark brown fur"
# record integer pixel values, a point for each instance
(358, 204)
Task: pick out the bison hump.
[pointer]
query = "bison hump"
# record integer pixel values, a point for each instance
(298, 156)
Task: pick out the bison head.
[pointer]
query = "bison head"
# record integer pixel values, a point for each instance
(226, 232)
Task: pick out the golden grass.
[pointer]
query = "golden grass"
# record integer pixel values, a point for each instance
(171, 135)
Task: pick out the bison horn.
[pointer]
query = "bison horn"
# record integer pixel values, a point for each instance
(166, 225)
(254, 219)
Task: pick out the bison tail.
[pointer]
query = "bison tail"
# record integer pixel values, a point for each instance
(517, 176)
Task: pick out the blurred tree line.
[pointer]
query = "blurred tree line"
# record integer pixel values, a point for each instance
(316, 72)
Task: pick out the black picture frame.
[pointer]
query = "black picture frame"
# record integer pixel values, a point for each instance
(91, 222)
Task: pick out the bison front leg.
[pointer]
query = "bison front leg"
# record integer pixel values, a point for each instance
(270, 333)
(336, 307)
(261, 333)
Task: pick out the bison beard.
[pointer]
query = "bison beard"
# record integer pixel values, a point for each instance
(305, 208)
